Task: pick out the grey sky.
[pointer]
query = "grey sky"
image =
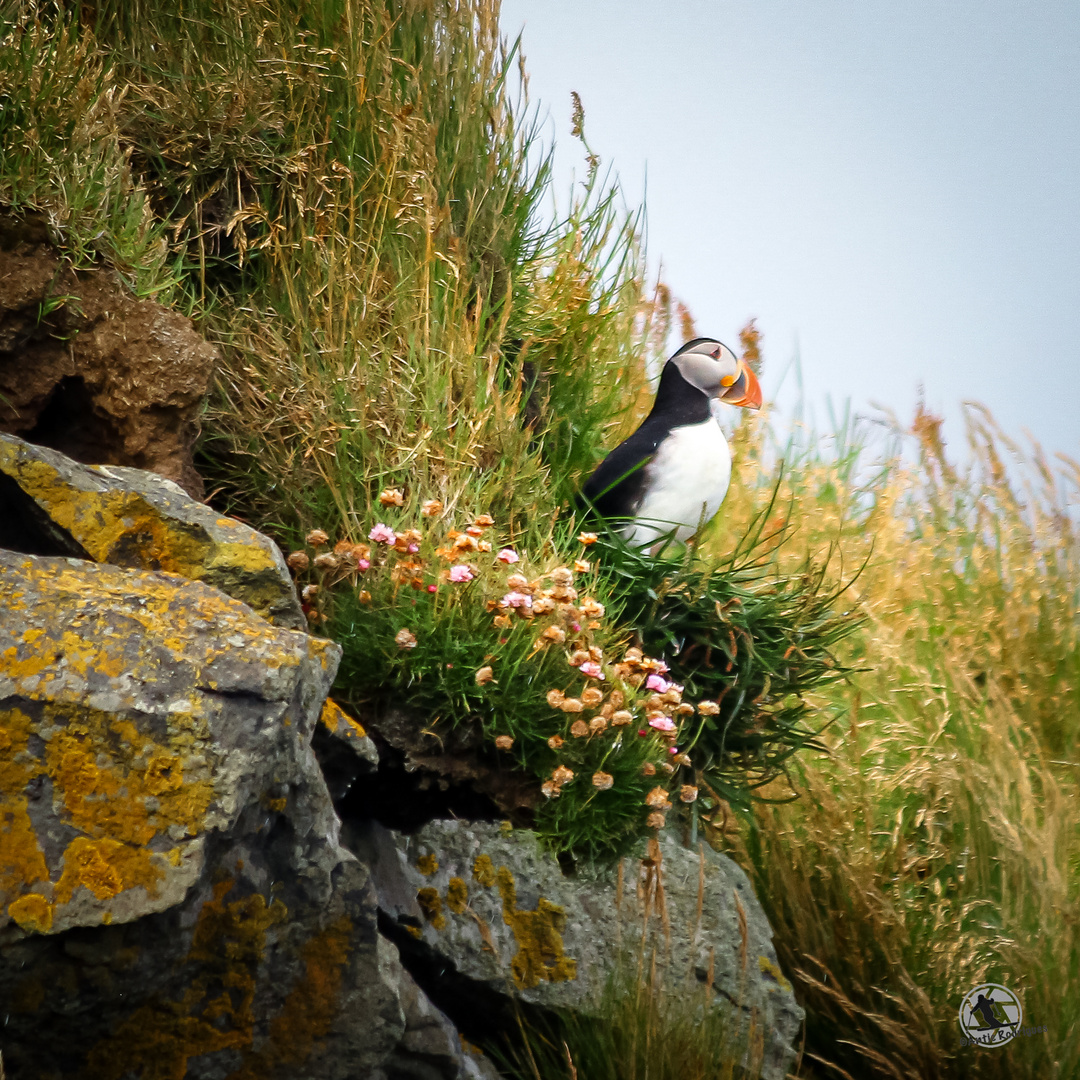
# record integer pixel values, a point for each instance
(891, 188)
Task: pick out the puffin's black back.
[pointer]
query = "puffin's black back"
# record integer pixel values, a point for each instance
(617, 487)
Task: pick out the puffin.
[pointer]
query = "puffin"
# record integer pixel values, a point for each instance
(672, 474)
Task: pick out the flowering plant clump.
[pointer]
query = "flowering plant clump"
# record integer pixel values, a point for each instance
(483, 633)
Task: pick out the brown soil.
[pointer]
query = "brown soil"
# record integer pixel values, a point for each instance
(91, 371)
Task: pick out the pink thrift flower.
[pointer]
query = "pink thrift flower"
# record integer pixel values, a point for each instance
(414, 548)
(662, 723)
(661, 667)
(461, 572)
(432, 588)
(516, 600)
(576, 627)
(364, 564)
(592, 669)
(507, 555)
(658, 683)
(382, 534)
(673, 750)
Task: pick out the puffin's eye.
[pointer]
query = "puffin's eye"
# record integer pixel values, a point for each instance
(715, 354)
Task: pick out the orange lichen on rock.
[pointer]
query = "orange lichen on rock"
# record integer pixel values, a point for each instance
(431, 905)
(457, 895)
(22, 862)
(309, 1010)
(483, 871)
(215, 1013)
(339, 721)
(538, 934)
(135, 520)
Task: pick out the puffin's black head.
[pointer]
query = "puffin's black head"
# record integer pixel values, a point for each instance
(708, 367)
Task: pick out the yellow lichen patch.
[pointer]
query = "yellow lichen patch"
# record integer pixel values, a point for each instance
(131, 529)
(431, 905)
(767, 967)
(106, 867)
(339, 721)
(309, 1010)
(32, 912)
(114, 781)
(483, 871)
(214, 1014)
(22, 862)
(539, 938)
(427, 864)
(457, 896)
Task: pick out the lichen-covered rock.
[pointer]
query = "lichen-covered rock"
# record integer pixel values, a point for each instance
(138, 520)
(89, 369)
(496, 908)
(173, 898)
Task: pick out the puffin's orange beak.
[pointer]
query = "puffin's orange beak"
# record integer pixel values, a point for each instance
(745, 391)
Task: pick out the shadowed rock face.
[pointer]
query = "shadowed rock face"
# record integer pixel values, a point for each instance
(90, 370)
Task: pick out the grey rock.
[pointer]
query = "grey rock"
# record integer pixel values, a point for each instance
(496, 906)
(139, 520)
(176, 898)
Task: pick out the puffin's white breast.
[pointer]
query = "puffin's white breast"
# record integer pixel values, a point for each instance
(687, 478)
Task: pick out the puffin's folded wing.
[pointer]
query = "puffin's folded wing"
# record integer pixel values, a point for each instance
(617, 487)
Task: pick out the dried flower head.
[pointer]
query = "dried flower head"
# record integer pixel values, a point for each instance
(555, 698)
(507, 555)
(519, 583)
(327, 561)
(364, 596)
(298, 561)
(562, 775)
(587, 538)
(648, 769)
(591, 609)
(405, 639)
(431, 507)
(578, 657)
(556, 742)
(485, 675)
(621, 718)
(550, 790)
(658, 799)
(688, 793)
(582, 566)
(579, 729)
(553, 633)
(309, 593)
(682, 759)
(316, 538)
(685, 709)
(503, 622)
(596, 725)
(464, 542)
(504, 742)
(602, 781)
(484, 521)
(708, 708)
(391, 497)
(655, 820)
(474, 531)
(562, 576)
(591, 696)
(543, 605)
(571, 705)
